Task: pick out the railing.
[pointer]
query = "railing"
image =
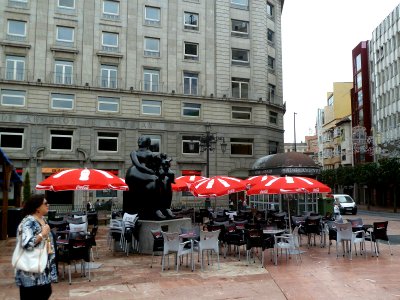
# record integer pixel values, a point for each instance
(60, 78)
(16, 38)
(148, 86)
(110, 83)
(111, 17)
(17, 75)
(68, 208)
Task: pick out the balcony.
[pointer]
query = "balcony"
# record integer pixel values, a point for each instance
(109, 83)
(16, 75)
(62, 78)
(152, 87)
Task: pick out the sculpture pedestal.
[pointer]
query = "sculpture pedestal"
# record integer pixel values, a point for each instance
(146, 238)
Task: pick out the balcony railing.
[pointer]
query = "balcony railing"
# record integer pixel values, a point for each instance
(110, 83)
(149, 86)
(62, 78)
(16, 75)
(110, 49)
(16, 38)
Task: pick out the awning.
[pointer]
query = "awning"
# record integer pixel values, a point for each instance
(15, 178)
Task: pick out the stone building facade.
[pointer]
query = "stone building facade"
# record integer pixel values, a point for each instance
(82, 80)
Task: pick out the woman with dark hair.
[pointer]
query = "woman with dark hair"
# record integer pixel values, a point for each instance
(33, 232)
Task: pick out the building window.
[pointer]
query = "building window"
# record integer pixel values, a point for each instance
(360, 99)
(69, 4)
(270, 10)
(61, 140)
(240, 28)
(190, 81)
(151, 107)
(191, 109)
(12, 138)
(271, 63)
(155, 142)
(191, 21)
(240, 87)
(109, 41)
(63, 71)
(108, 77)
(16, 30)
(243, 147)
(242, 4)
(108, 104)
(111, 10)
(359, 81)
(107, 142)
(190, 144)
(62, 101)
(13, 97)
(270, 36)
(271, 92)
(358, 62)
(241, 113)
(191, 51)
(151, 47)
(152, 15)
(65, 35)
(240, 57)
(273, 147)
(273, 117)
(151, 80)
(15, 67)
(18, 3)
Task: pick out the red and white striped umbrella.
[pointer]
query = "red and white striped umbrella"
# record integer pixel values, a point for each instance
(82, 179)
(182, 183)
(217, 186)
(254, 180)
(289, 185)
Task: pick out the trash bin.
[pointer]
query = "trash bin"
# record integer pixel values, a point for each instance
(14, 217)
(325, 205)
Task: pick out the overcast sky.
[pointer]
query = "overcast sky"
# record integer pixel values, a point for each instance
(317, 39)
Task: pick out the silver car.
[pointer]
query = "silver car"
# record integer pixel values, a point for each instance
(346, 204)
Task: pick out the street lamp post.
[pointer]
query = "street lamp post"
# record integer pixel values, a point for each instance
(294, 125)
(208, 143)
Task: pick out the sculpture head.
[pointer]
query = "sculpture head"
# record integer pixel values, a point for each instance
(144, 142)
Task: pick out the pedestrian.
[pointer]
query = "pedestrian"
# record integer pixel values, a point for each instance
(97, 204)
(88, 206)
(35, 232)
(244, 204)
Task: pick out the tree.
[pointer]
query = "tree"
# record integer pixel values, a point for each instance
(389, 176)
(27, 187)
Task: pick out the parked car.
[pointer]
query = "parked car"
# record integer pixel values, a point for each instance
(346, 204)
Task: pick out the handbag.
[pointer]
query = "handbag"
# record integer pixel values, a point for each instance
(33, 261)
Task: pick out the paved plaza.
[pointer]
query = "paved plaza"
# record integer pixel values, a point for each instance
(319, 276)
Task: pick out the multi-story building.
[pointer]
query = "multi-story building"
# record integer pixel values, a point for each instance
(361, 106)
(336, 127)
(82, 80)
(384, 49)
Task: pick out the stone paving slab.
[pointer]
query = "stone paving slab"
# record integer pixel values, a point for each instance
(319, 276)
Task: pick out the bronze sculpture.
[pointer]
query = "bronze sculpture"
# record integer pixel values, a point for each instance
(149, 180)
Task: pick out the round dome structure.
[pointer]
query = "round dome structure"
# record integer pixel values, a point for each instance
(288, 163)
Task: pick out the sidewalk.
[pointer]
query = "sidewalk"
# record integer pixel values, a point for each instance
(319, 276)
